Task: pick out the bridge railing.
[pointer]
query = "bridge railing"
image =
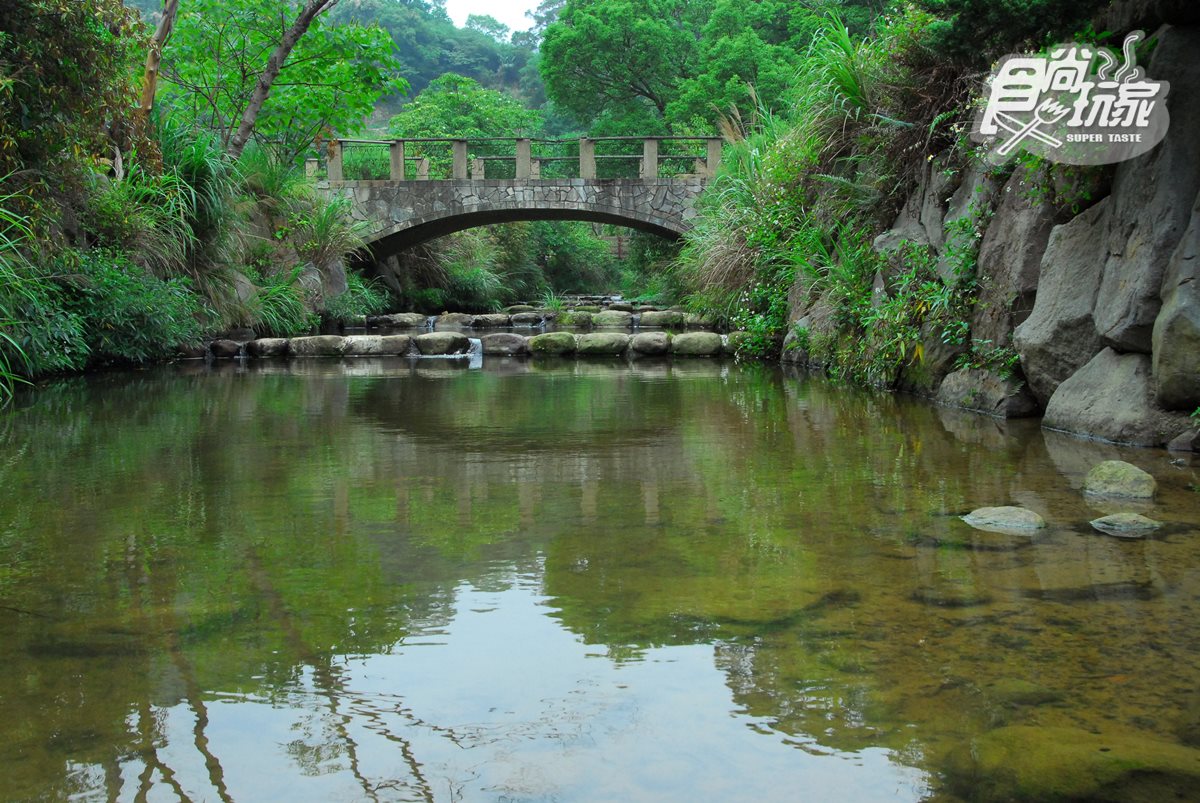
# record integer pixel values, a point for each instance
(425, 159)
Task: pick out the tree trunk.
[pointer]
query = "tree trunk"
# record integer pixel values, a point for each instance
(150, 78)
(311, 10)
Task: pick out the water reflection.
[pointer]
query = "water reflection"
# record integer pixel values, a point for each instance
(374, 580)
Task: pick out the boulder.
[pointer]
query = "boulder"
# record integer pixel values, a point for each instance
(526, 319)
(317, 346)
(1007, 519)
(607, 343)
(650, 343)
(589, 308)
(456, 319)
(612, 319)
(579, 320)
(225, 349)
(493, 321)
(362, 345)
(920, 221)
(1059, 337)
(505, 344)
(664, 318)
(441, 344)
(1111, 398)
(621, 306)
(1120, 479)
(1125, 525)
(1152, 199)
(399, 320)
(735, 340)
(1010, 260)
(194, 352)
(1045, 762)
(1176, 335)
(985, 392)
(395, 345)
(693, 321)
(696, 344)
(552, 343)
(548, 315)
(268, 347)
(1187, 442)
(515, 309)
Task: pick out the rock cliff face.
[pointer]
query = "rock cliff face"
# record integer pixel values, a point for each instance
(1103, 306)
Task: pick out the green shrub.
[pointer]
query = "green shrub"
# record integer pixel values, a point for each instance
(129, 314)
(279, 308)
(362, 297)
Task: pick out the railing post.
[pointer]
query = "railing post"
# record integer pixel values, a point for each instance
(333, 167)
(477, 170)
(423, 169)
(587, 158)
(460, 158)
(310, 167)
(650, 158)
(524, 156)
(714, 157)
(396, 154)
(535, 168)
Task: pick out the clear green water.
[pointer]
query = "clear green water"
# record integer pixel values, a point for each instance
(577, 582)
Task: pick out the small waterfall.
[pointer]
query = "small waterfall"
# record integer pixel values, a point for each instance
(431, 322)
(725, 343)
(475, 353)
(635, 320)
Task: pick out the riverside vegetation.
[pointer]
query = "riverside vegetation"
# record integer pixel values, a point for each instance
(852, 227)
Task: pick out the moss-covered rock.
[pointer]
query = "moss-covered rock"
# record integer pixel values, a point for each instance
(1023, 762)
(607, 343)
(580, 320)
(665, 318)
(552, 343)
(696, 344)
(651, 343)
(1005, 519)
(1120, 479)
(613, 319)
(317, 346)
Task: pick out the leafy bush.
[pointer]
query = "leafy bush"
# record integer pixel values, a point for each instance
(323, 230)
(362, 297)
(127, 313)
(279, 308)
(975, 32)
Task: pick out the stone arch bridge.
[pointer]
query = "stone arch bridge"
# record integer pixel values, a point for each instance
(411, 191)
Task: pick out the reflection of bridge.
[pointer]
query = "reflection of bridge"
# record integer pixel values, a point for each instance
(415, 190)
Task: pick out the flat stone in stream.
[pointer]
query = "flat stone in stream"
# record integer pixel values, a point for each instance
(552, 343)
(1126, 525)
(317, 346)
(505, 344)
(651, 343)
(268, 347)
(225, 349)
(607, 343)
(696, 344)
(442, 344)
(492, 321)
(1007, 519)
(400, 320)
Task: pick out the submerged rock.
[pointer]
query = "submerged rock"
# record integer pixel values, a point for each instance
(1126, 525)
(1024, 762)
(607, 343)
(552, 343)
(1007, 519)
(650, 343)
(1018, 691)
(442, 344)
(317, 346)
(268, 347)
(696, 344)
(1118, 478)
(505, 344)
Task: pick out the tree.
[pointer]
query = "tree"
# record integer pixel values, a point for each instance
(456, 106)
(606, 53)
(224, 51)
(488, 26)
(154, 56)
